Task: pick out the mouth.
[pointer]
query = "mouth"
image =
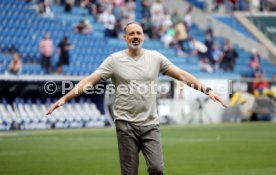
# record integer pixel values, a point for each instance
(135, 42)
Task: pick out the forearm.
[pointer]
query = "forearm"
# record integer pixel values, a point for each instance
(81, 87)
(186, 78)
(192, 81)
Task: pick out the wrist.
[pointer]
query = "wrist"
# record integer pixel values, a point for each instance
(208, 90)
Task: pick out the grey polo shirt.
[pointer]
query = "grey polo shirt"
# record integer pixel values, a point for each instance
(135, 82)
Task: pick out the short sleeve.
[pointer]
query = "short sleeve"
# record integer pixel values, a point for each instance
(165, 63)
(105, 70)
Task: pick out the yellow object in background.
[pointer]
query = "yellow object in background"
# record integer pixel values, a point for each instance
(237, 99)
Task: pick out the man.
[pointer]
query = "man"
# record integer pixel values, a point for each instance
(46, 48)
(15, 65)
(63, 51)
(135, 113)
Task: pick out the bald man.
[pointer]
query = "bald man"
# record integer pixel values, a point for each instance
(135, 111)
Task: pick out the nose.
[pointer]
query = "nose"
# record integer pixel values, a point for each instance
(136, 37)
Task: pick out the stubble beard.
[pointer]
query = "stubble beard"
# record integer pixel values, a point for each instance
(132, 46)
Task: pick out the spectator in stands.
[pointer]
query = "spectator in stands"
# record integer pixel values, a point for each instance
(271, 5)
(262, 5)
(167, 22)
(157, 8)
(188, 18)
(146, 25)
(146, 5)
(200, 49)
(218, 4)
(69, 5)
(243, 5)
(46, 49)
(45, 9)
(130, 7)
(181, 37)
(205, 65)
(63, 51)
(231, 5)
(258, 71)
(128, 13)
(230, 55)
(254, 61)
(209, 29)
(109, 22)
(88, 5)
(166, 29)
(217, 55)
(157, 14)
(95, 7)
(168, 37)
(254, 5)
(84, 27)
(15, 65)
(209, 42)
(135, 113)
(259, 84)
(175, 17)
(11, 48)
(118, 9)
(197, 47)
(103, 5)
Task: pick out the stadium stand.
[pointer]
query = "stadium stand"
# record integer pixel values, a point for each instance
(21, 30)
(25, 32)
(230, 21)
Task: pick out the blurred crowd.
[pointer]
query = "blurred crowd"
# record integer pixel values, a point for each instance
(228, 6)
(174, 30)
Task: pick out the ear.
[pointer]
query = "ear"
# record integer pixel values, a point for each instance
(125, 37)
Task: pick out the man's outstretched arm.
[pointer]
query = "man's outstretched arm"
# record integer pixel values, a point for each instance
(76, 91)
(193, 82)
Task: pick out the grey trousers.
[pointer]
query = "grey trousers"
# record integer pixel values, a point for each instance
(132, 139)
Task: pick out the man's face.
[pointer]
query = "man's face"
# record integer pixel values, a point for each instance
(134, 36)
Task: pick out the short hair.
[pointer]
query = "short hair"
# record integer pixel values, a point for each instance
(134, 22)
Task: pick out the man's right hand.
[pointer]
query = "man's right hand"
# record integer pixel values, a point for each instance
(57, 104)
(76, 91)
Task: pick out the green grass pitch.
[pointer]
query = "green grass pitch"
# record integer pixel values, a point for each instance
(227, 149)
